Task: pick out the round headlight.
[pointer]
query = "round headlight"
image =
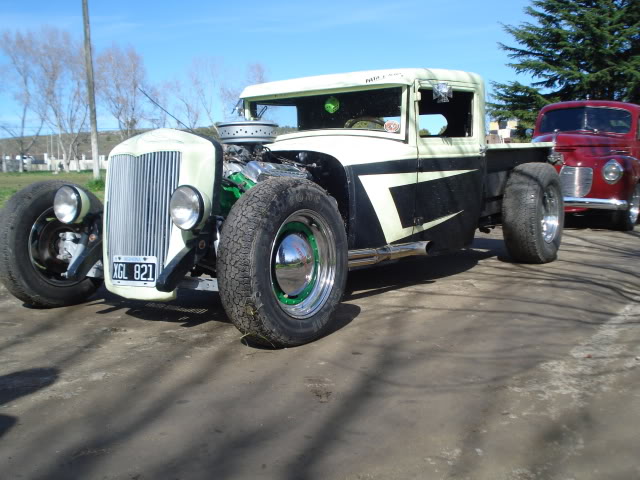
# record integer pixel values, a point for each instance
(612, 171)
(186, 207)
(70, 204)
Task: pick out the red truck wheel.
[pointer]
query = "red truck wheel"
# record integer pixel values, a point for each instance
(626, 220)
(533, 213)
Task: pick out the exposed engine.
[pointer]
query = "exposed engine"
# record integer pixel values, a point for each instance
(248, 161)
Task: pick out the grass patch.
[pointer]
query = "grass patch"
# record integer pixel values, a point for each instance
(12, 182)
(95, 186)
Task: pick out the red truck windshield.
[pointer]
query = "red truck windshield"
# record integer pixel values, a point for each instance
(593, 119)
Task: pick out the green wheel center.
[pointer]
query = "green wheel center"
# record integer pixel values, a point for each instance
(295, 263)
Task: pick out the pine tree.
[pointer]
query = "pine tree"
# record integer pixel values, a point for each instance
(575, 49)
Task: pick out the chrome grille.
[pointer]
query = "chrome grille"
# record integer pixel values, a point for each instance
(576, 181)
(138, 221)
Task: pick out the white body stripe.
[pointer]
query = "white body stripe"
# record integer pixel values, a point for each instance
(378, 188)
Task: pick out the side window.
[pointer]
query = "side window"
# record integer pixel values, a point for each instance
(447, 119)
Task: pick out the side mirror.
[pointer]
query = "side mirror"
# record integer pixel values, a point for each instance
(239, 108)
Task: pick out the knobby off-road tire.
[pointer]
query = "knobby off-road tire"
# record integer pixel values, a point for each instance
(625, 220)
(29, 237)
(533, 213)
(282, 262)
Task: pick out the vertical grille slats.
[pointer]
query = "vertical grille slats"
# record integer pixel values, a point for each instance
(576, 181)
(138, 221)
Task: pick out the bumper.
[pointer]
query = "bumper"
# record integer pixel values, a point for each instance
(596, 203)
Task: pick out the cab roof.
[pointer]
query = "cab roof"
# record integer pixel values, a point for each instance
(401, 76)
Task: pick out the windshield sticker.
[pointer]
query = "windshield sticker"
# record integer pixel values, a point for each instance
(392, 126)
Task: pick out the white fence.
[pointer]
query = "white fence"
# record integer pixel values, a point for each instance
(49, 164)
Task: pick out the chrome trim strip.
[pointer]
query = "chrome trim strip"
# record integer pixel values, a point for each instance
(596, 203)
(371, 256)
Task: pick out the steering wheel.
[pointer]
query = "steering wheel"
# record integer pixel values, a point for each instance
(351, 122)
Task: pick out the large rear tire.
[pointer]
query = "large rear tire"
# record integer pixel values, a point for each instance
(533, 213)
(282, 262)
(29, 246)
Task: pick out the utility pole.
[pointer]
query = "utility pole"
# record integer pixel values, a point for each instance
(88, 63)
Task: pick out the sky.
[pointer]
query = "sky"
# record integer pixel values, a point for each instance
(290, 38)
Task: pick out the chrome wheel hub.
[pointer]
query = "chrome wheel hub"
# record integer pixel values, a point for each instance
(47, 250)
(294, 264)
(303, 264)
(550, 221)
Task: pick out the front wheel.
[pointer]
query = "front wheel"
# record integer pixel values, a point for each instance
(626, 220)
(32, 254)
(533, 213)
(282, 262)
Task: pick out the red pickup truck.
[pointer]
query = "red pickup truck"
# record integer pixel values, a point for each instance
(597, 153)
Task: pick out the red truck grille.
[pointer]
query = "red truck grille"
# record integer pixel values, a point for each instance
(576, 181)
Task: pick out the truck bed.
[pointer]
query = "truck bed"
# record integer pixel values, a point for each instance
(502, 158)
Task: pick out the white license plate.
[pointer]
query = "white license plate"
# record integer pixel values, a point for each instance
(134, 271)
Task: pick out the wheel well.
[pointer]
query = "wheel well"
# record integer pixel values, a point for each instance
(329, 173)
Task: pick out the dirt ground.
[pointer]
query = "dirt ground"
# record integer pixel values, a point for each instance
(463, 366)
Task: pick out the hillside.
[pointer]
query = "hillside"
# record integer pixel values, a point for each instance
(106, 141)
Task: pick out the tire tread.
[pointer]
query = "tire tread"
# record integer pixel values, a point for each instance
(235, 270)
(10, 276)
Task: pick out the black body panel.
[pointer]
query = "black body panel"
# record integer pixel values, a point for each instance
(472, 193)
(419, 203)
(447, 196)
(364, 227)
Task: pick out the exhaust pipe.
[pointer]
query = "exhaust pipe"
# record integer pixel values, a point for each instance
(372, 256)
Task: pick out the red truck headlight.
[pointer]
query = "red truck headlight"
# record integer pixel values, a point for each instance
(612, 171)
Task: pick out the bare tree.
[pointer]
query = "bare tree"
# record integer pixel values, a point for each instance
(255, 73)
(197, 97)
(204, 75)
(18, 48)
(120, 74)
(187, 105)
(59, 78)
(157, 116)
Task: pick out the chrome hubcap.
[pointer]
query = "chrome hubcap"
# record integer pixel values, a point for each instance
(303, 264)
(634, 207)
(550, 221)
(45, 246)
(294, 264)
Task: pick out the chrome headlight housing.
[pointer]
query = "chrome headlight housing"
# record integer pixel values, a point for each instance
(612, 171)
(71, 204)
(187, 207)
(556, 158)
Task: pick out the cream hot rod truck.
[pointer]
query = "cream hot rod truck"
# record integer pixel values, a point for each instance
(380, 165)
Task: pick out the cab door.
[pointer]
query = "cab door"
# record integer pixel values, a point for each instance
(451, 163)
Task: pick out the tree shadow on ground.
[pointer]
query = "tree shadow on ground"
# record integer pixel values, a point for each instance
(299, 413)
(19, 384)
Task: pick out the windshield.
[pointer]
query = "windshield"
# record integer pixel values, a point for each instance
(378, 110)
(597, 119)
